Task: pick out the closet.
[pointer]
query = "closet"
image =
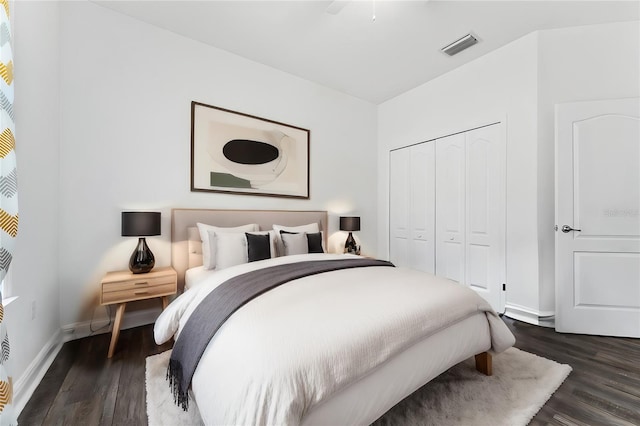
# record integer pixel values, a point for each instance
(447, 209)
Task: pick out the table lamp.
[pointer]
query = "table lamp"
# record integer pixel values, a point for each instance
(350, 223)
(141, 224)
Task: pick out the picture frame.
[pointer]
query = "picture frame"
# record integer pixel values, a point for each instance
(237, 153)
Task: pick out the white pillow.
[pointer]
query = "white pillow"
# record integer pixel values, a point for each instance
(208, 247)
(295, 243)
(231, 248)
(312, 227)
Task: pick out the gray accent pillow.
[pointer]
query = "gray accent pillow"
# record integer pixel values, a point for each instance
(231, 249)
(294, 243)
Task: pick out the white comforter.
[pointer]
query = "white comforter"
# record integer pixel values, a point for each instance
(292, 348)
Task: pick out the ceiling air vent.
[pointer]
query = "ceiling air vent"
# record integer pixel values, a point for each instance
(459, 45)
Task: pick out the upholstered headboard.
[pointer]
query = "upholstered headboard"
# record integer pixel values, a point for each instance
(186, 247)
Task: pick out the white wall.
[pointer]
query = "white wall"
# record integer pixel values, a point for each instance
(126, 89)
(34, 270)
(576, 64)
(488, 89)
(523, 80)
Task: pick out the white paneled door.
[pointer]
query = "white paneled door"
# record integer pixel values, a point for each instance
(485, 213)
(399, 190)
(412, 211)
(421, 207)
(598, 217)
(471, 210)
(450, 211)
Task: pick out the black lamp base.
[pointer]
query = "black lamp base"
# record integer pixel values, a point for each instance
(142, 260)
(350, 245)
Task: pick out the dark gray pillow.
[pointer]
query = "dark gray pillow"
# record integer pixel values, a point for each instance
(258, 247)
(314, 240)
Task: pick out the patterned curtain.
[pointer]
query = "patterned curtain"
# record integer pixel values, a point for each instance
(8, 203)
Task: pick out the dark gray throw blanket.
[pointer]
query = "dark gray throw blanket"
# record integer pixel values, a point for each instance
(227, 298)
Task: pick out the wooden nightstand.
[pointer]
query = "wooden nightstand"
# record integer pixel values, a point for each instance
(123, 286)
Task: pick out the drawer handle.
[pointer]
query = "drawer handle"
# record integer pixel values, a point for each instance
(142, 283)
(141, 292)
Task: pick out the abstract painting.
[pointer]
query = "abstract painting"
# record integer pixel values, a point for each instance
(242, 154)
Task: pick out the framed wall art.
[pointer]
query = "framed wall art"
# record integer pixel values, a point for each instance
(241, 154)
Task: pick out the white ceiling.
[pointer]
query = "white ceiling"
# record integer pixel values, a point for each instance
(349, 52)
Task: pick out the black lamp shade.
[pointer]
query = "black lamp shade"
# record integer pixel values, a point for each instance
(141, 224)
(349, 223)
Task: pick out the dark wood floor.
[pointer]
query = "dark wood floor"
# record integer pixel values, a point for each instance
(83, 387)
(604, 386)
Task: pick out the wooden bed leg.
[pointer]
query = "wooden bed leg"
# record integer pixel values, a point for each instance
(483, 363)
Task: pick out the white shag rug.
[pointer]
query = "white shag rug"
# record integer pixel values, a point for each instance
(520, 385)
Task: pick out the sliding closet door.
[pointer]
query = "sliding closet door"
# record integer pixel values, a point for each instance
(447, 209)
(470, 210)
(450, 207)
(399, 191)
(485, 213)
(412, 207)
(422, 207)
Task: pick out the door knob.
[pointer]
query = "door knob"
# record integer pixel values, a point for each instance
(567, 228)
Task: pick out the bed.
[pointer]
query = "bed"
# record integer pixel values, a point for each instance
(341, 347)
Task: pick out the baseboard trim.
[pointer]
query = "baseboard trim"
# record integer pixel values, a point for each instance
(24, 387)
(133, 319)
(530, 316)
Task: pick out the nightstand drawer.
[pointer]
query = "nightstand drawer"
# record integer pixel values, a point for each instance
(138, 293)
(138, 283)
